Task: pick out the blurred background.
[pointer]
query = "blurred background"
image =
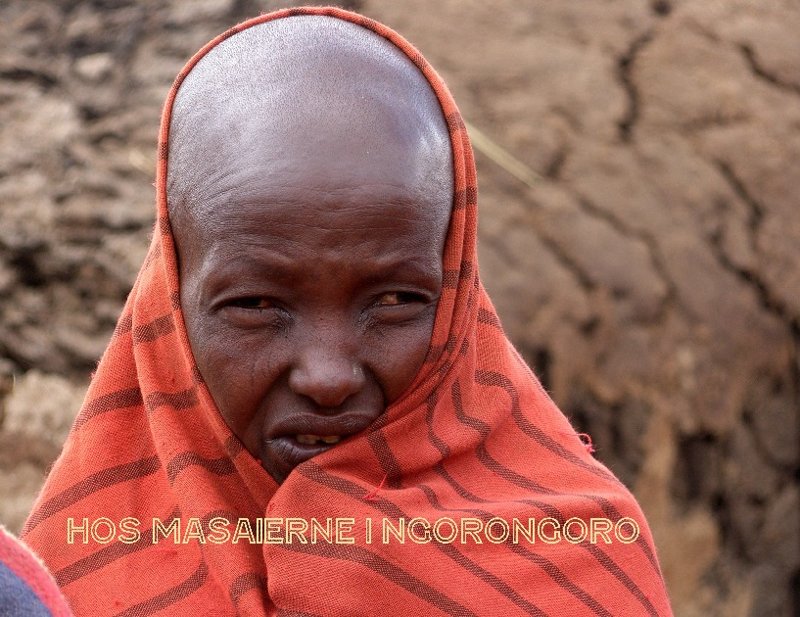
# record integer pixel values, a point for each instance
(639, 168)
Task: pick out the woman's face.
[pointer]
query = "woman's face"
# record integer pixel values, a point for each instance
(310, 279)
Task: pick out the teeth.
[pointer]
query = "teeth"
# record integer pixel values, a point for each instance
(314, 439)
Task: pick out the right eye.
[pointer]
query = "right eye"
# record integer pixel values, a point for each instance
(248, 312)
(252, 303)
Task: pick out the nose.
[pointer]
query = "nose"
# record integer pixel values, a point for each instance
(326, 377)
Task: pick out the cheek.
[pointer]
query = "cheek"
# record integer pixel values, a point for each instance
(236, 373)
(398, 356)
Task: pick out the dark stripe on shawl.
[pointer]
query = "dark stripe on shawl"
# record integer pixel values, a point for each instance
(482, 453)
(246, 582)
(491, 378)
(164, 225)
(548, 509)
(465, 197)
(177, 400)
(448, 345)
(90, 485)
(546, 565)
(623, 578)
(121, 399)
(153, 254)
(124, 325)
(170, 596)
(451, 278)
(488, 317)
(341, 485)
(155, 329)
(498, 380)
(233, 446)
(222, 466)
(455, 123)
(386, 458)
(106, 555)
(387, 570)
(549, 568)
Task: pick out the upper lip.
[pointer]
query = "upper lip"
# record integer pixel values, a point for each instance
(342, 425)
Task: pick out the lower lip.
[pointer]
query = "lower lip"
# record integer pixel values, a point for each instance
(289, 453)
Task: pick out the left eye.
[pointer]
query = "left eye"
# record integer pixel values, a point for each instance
(395, 298)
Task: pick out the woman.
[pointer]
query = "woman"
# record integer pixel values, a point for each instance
(309, 406)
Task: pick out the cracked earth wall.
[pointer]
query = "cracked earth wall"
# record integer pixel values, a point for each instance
(651, 276)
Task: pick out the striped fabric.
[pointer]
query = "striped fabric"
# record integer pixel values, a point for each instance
(475, 437)
(26, 587)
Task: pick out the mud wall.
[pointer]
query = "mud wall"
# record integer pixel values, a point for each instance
(648, 269)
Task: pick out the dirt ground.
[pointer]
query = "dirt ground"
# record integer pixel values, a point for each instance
(651, 275)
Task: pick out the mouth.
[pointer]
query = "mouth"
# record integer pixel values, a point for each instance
(311, 440)
(299, 438)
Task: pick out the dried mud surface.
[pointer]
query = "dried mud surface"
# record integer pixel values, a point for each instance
(651, 276)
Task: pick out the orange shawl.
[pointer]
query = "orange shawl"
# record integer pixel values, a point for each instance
(474, 437)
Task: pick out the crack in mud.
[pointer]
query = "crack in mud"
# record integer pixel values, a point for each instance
(627, 123)
(671, 297)
(748, 275)
(759, 71)
(755, 209)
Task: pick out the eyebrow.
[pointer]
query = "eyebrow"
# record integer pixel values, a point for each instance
(266, 269)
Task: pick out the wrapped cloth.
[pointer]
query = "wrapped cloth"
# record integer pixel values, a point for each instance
(26, 587)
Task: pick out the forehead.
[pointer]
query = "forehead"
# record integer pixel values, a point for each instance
(345, 224)
(293, 244)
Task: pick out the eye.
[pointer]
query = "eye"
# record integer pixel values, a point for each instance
(397, 308)
(252, 303)
(395, 298)
(255, 312)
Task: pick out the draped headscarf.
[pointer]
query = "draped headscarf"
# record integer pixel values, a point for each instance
(475, 437)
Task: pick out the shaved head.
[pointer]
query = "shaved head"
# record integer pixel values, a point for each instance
(294, 89)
